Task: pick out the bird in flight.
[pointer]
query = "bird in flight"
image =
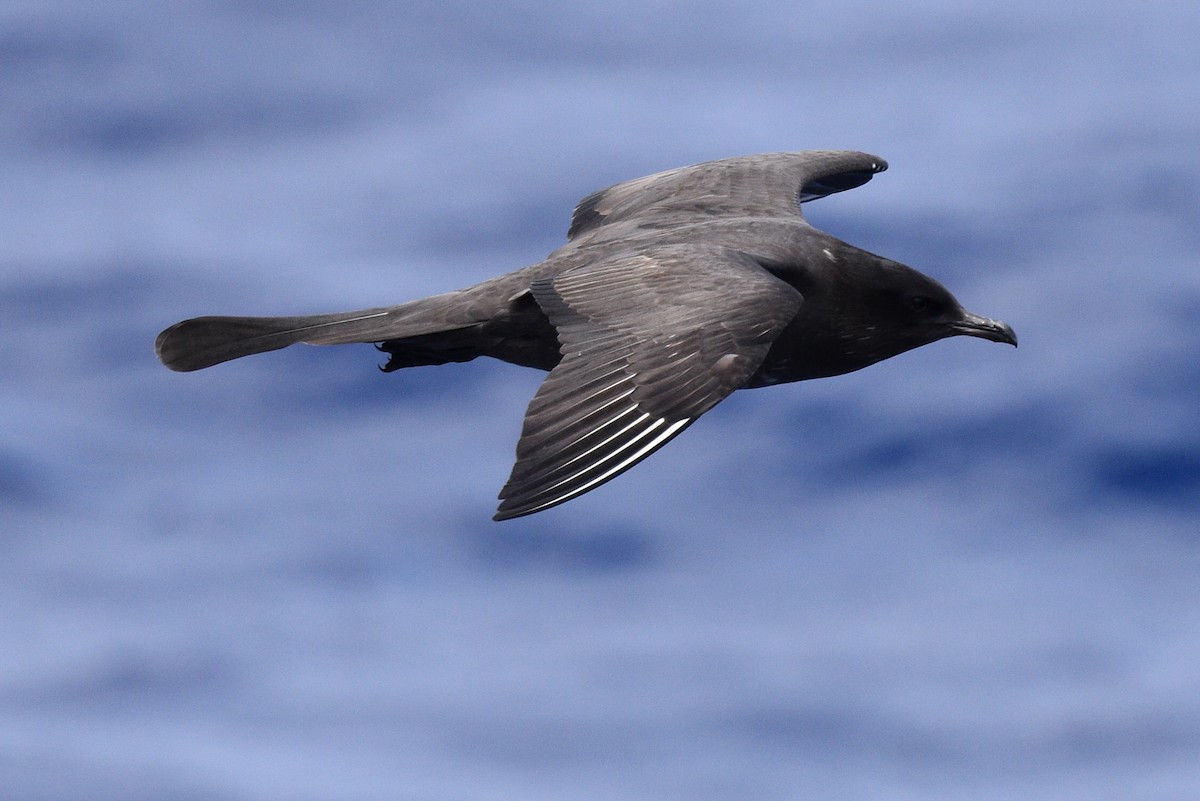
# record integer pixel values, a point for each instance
(672, 291)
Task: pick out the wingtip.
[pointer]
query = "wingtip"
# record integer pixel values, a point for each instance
(512, 508)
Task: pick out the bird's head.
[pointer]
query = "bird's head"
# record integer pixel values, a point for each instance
(864, 308)
(913, 309)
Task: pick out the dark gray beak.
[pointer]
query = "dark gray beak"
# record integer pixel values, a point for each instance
(973, 325)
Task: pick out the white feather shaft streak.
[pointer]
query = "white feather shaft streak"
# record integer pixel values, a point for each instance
(602, 442)
(343, 321)
(592, 413)
(658, 440)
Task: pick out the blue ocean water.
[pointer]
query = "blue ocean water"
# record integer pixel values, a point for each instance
(966, 572)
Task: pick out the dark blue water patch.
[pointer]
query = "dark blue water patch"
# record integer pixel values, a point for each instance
(531, 544)
(30, 51)
(1165, 475)
(103, 288)
(1185, 307)
(948, 247)
(23, 483)
(1027, 428)
(54, 775)
(879, 460)
(889, 457)
(537, 224)
(833, 447)
(129, 131)
(938, 449)
(1175, 369)
(132, 678)
(1138, 736)
(106, 312)
(359, 559)
(1169, 190)
(1148, 180)
(124, 130)
(847, 732)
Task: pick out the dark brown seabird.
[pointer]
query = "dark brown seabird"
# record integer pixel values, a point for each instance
(672, 291)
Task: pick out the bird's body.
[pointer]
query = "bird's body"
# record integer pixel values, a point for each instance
(672, 291)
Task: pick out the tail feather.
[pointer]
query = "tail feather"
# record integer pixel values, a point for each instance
(205, 341)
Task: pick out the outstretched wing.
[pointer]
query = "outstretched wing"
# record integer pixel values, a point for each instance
(650, 341)
(765, 185)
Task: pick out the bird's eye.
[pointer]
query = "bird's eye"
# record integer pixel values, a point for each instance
(920, 303)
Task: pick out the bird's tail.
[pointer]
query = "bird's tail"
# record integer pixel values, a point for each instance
(205, 341)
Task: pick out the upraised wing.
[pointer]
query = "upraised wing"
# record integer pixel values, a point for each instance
(650, 341)
(765, 185)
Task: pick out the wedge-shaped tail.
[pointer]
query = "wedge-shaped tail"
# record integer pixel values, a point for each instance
(205, 341)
